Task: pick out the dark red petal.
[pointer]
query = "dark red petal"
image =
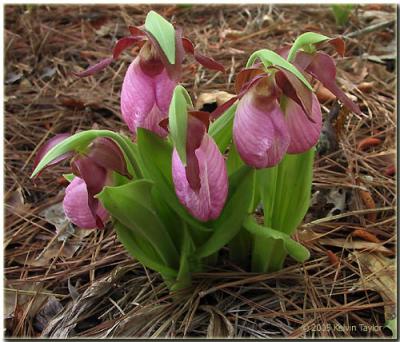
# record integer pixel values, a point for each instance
(292, 87)
(323, 68)
(94, 68)
(223, 108)
(47, 146)
(205, 61)
(204, 117)
(92, 174)
(195, 134)
(188, 45)
(124, 43)
(164, 124)
(338, 44)
(107, 154)
(284, 51)
(250, 84)
(137, 31)
(245, 75)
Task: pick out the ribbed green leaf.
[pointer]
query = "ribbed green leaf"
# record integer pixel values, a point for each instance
(163, 32)
(294, 249)
(221, 129)
(131, 204)
(138, 248)
(178, 112)
(234, 162)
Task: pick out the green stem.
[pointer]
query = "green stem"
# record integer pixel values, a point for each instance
(239, 248)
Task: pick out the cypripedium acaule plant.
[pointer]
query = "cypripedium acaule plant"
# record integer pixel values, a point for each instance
(185, 183)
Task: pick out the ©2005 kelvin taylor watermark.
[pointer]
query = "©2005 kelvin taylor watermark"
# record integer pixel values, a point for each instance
(343, 328)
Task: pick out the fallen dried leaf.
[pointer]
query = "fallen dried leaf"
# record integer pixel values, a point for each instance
(323, 94)
(378, 275)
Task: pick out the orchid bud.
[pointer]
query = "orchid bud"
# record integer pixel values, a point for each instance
(93, 170)
(260, 132)
(77, 209)
(201, 186)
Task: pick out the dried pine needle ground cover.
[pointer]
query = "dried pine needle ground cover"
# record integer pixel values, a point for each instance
(65, 283)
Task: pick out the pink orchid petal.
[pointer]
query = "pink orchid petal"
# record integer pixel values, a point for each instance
(260, 132)
(206, 203)
(76, 206)
(304, 134)
(144, 99)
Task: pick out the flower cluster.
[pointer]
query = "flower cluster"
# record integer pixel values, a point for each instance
(173, 197)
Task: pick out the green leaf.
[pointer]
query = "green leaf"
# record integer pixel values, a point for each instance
(305, 39)
(142, 251)
(79, 142)
(235, 211)
(341, 13)
(234, 162)
(221, 129)
(294, 249)
(184, 278)
(163, 32)
(178, 120)
(131, 204)
(156, 155)
(270, 58)
(293, 192)
(392, 325)
(69, 177)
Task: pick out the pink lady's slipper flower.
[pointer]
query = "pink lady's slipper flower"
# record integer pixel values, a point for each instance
(151, 78)
(277, 113)
(93, 170)
(201, 186)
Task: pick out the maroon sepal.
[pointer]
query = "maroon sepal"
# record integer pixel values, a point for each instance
(107, 154)
(323, 68)
(217, 112)
(46, 147)
(246, 75)
(292, 87)
(164, 124)
(94, 68)
(119, 46)
(205, 61)
(204, 117)
(195, 133)
(124, 43)
(337, 43)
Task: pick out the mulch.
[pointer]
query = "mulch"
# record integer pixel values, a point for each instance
(85, 285)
